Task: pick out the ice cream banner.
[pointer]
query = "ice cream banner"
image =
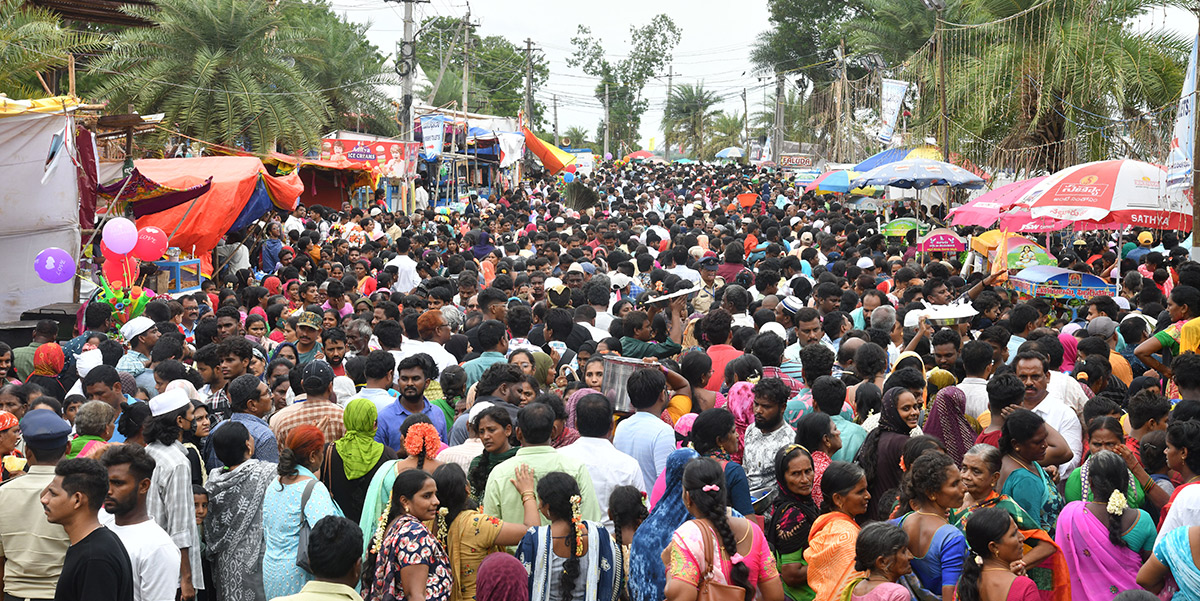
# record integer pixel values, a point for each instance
(891, 97)
(392, 158)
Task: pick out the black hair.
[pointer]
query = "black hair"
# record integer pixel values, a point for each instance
(102, 374)
(694, 366)
(870, 360)
(1153, 449)
(703, 473)
(976, 357)
(140, 463)
(230, 443)
(926, 475)
(536, 422)
(1107, 473)
(839, 479)
(877, 540)
(164, 429)
(133, 418)
(816, 360)
(829, 394)
(408, 484)
(626, 507)
(916, 446)
(555, 489)
(497, 375)
(480, 470)
(812, 429)
(1004, 390)
(334, 546)
(710, 426)
(1147, 405)
(242, 390)
(593, 416)
(773, 390)
(1186, 435)
(645, 387)
(1020, 426)
(87, 476)
(987, 526)
(453, 497)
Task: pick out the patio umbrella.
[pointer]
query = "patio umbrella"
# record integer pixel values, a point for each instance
(920, 152)
(919, 174)
(837, 180)
(640, 155)
(986, 209)
(1111, 193)
(732, 152)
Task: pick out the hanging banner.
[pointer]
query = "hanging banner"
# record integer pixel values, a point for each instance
(891, 97)
(432, 134)
(651, 148)
(1179, 161)
(392, 158)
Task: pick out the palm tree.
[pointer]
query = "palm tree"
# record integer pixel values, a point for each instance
(689, 115)
(223, 71)
(32, 40)
(578, 136)
(727, 130)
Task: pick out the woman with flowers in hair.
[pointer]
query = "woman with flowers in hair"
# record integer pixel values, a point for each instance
(421, 444)
(570, 559)
(468, 535)
(1104, 541)
(404, 560)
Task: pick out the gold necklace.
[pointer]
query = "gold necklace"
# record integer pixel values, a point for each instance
(936, 515)
(1022, 463)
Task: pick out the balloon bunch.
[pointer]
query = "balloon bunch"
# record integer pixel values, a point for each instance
(126, 304)
(620, 163)
(123, 246)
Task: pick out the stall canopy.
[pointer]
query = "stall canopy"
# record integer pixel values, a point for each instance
(241, 191)
(41, 165)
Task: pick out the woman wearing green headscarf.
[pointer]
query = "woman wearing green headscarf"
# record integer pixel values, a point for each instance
(543, 370)
(351, 461)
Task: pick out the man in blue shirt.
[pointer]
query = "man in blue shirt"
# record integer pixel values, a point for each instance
(103, 383)
(412, 379)
(250, 400)
(644, 435)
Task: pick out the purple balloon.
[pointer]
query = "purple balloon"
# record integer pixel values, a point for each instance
(120, 235)
(608, 156)
(54, 265)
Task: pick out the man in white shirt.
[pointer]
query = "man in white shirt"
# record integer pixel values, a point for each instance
(406, 276)
(295, 221)
(769, 433)
(609, 467)
(154, 557)
(434, 333)
(977, 361)
(1031, 368)
(421, 196)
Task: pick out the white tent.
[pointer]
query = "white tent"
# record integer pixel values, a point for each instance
(39, 201)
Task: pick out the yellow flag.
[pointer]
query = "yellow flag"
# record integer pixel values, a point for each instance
(651, 149)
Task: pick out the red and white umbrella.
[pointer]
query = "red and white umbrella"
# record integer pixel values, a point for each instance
(989, 207)
(1113, 193)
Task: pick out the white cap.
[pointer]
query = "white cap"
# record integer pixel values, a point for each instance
(376, 211)
(136, 327)
(775, 328)
(866, 263)
(343, 390)
(620, 280)
(169, 401)
(476, 409)
(85, 361)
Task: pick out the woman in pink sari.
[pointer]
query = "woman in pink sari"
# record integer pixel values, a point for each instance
(1104, 542)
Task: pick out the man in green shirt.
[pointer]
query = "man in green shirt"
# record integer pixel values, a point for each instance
(45, 331)
(535, 426)
(637, 342)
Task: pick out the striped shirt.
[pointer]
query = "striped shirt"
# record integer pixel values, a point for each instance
(170, 502)
(320, 413)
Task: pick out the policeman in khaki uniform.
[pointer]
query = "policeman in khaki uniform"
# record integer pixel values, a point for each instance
(709, 283)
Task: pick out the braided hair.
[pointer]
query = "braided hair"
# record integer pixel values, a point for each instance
(482, 468)
(626, 507)
(560, 493)
(925, 477)
(1109, 476)
(422, 452)
(453, 498)
(985, 527)
(702, 473)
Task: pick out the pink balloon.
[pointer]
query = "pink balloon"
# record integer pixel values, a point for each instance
(54, 265)
(151, 244)
(120, 235)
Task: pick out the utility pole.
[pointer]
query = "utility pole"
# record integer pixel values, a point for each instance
(607, 123)
(529, 98)
(405, 66)
(666, 123)
(777, 137)
(557, 139)
(746, 123)
(466, 61)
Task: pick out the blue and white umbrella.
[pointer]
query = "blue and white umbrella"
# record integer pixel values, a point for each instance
(919, 174)
(732, 152)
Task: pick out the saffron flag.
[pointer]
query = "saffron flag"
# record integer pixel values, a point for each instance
(552, 157)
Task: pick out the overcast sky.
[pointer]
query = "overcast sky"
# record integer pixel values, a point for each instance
(714, 48)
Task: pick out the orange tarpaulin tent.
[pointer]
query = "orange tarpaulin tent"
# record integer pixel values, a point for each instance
(552, 157)
(241, 192)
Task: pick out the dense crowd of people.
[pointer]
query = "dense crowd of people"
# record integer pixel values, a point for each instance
(648, 392)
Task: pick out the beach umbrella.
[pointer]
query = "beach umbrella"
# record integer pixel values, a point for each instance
(1112, 194)
(732, 152)
(837, 180)
(919, 174)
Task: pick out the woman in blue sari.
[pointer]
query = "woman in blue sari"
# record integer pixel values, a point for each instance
(647, 574)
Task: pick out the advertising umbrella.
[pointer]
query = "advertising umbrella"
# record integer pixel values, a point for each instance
(731, 152)
(919, 174)
(640, 155)
(837, 180)
(1111, 193)
(986, 209)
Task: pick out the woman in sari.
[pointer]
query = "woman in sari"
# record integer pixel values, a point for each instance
(817, 433)
(931, 488)
(404, 560)
(48, 361)
(1173, 557)
(468, 535)
(1183, 306)
(882, 552)
(993, 570)
(714, 434)
(880, 453)
(740, 402)
(354, 458)
(1105, 541)
(790, 518)
(948, 423)
(233, 528)
(647, 573)
(1043, 560)
(714, 547)
(1106, 434)
(1023, 444)
(831, 543)
(421, 443)
(571, 559)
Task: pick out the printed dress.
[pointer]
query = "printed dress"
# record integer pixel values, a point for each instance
(409, 543)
